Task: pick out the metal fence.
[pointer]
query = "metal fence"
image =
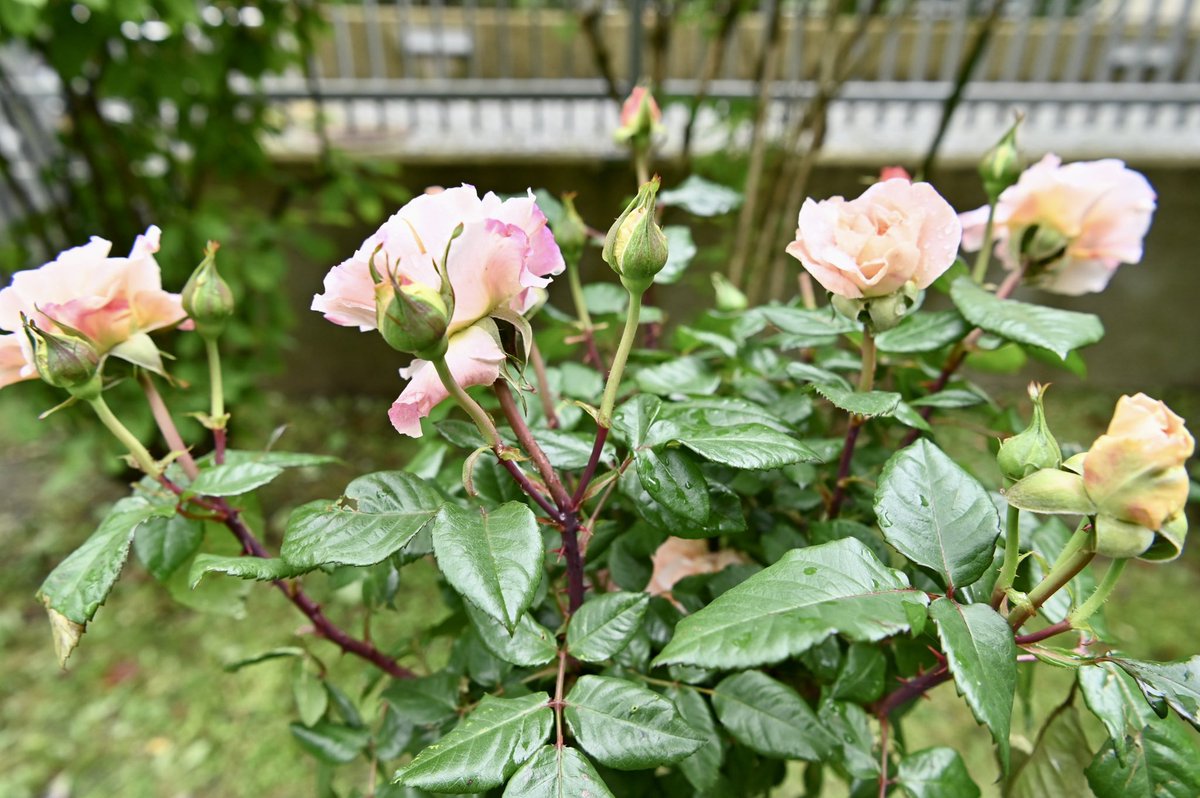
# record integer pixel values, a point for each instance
(434, 77)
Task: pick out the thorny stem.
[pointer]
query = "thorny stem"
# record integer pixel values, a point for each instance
(558, 702)
(1043, 634)
(166, 425)
(1012, 555)
(911, 689)
(581, 311)
(604, 418)
(883, 755)
(1103, 590)
(127, 438)
(525, 437)
(866, 382)
(590, 470)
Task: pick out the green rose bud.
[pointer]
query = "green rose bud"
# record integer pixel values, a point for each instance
(570, 232)
(412, 317)
(1033, 449)
(1000, 167)
(881, 312)
(1040, 246)
(635, 246)
(206, 297)
(729, 298)
(65, 361)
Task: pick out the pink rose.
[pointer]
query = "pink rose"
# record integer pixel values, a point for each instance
(632, 107)
(1097, 211)
(110, 300)
(896, 232)
(499, 264)
(1135, 472)
(894, 173)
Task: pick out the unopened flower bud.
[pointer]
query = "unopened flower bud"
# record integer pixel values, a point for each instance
(570, 231)
(1000, 167)
(640, 117)
(636, 247)
(65, 361)
(881, 312)
(729, 298)
(1040, 246)
(411, 317)
(207, 298)
(1031, 450)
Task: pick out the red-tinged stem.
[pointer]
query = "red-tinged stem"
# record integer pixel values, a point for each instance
(911, 689)
(843, 474)
(166, 425)
(590, 470)
(883, 756)
(325, 627)
(219, 438)
(544, 395)
(558, 703)
(1042, 634)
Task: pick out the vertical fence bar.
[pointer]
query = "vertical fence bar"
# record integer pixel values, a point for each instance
(637, 38)
(343, 45)
(1142, 47)
(891, 49)
(375, 56)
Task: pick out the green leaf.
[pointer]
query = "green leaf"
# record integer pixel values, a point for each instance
(862, 403)
(312, 699)
(493, 559)
(771, 718)
(750, 446)
(936, 773)
(1174, 684)
(1052, 492)
(1113, 697)
(282, 652)
(257, 568)
(530, 643)
(680, 251)
(720, 411)
(1056, 766)
(392, 507)
(278, 459)
(782, 611)
(678, 376)
(861, 677)
(569, 450)
(1060, 331)
(824, 323)
(604, 625)
(701, 197)
(557, 773)
(703, 768)
(627, 727)
(936, 514)
(854, 742)
(233, 479)
(329, 742)
(922, 332)
(426, 700)
(634, 418)
(982, 656)
(163, 544)
(485, 749)
(79, 585)
(675, 481)
(1161, 761)
(949, 399)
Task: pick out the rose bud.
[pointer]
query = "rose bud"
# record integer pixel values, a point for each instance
(635, 246)
(1135, 475)
(411, 317)
(1031, 450)
(570, 231)
(207, 298)
(640, 117)
(1000, 167)
(65, 361)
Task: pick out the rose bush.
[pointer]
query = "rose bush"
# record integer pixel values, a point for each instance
(670, 567)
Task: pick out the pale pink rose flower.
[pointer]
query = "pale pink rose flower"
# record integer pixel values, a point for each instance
(502, 259)
(12, 360)
(1102, 209)
(895, 232)
(679, 558)
(107, 299)
(1135, 471)
(474, 356)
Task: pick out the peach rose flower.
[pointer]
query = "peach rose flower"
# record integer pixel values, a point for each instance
(500, 263)
(1135, 472)
(894, 233)
(110, 300)
(1099, 210)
